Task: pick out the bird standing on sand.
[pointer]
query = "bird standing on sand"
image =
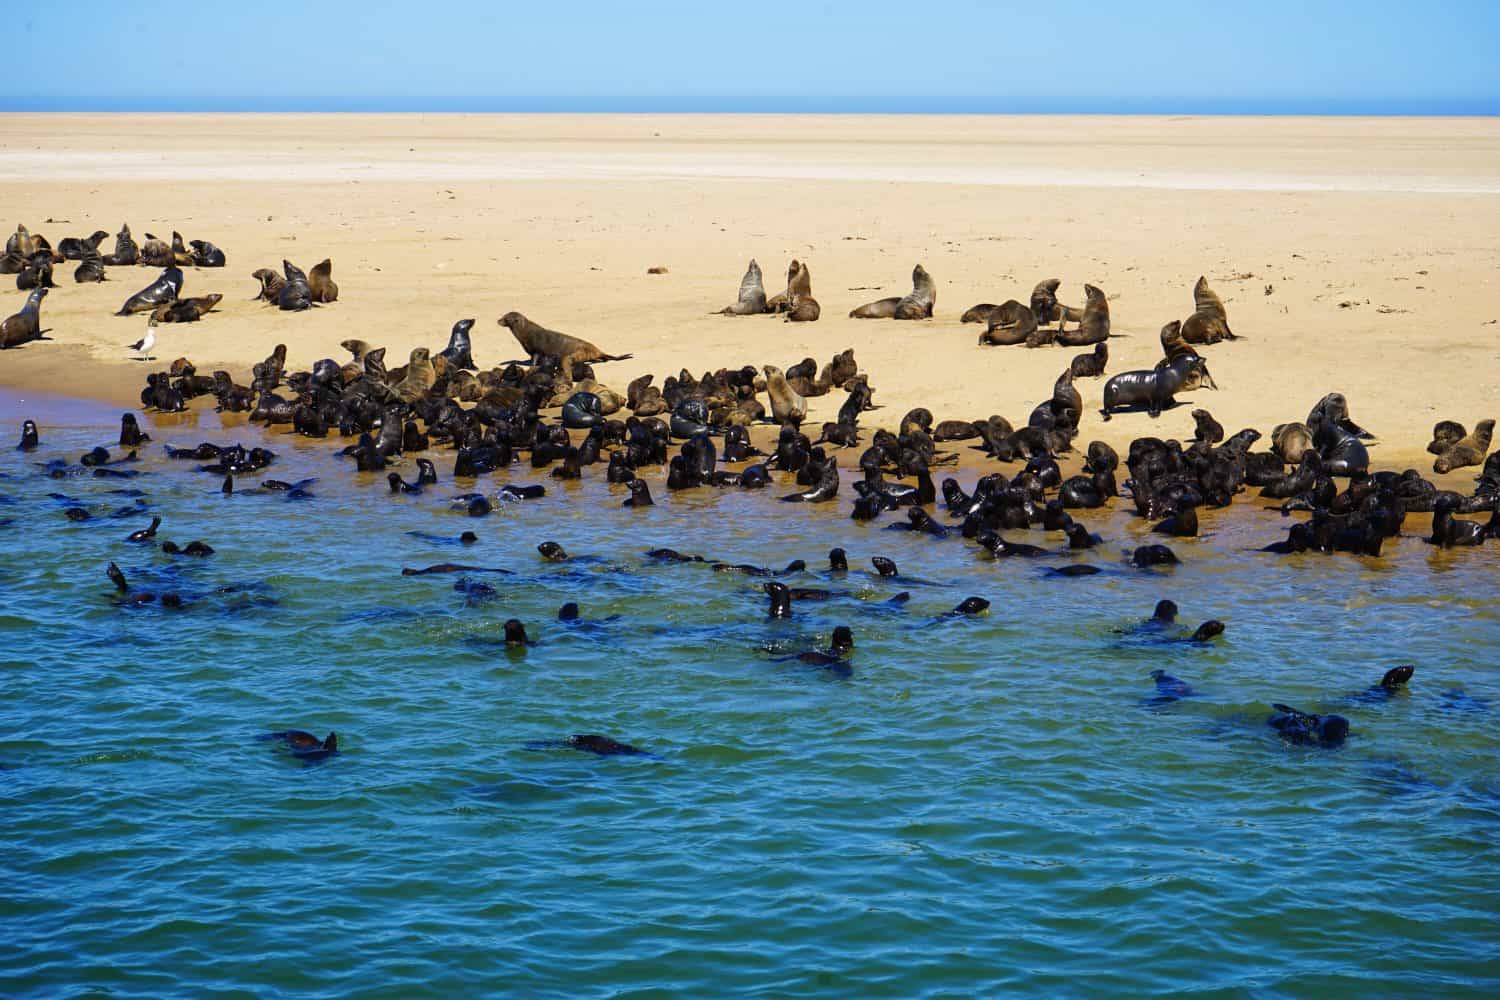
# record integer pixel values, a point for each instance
(143, 346)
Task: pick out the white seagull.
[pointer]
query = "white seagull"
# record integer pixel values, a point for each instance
(143, 346)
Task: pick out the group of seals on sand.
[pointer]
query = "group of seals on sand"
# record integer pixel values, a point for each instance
(295, 290)
(796, 302)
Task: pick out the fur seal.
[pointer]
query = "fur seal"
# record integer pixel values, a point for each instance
(538, 341)
(73, 247)
(1093, 325)
(91, 265)
(271, 284)
(1008, 324)
(420, 376)
(185, 310)
(915, 304)
(126, 252)
(457, 352)
(979, 313)
(1157, 387)
(1337, 438)
(30, 439)
(321, 284)
(640, 495)
(752, 296)
(1209, 323)
(1470, 450)
(26, 325)
(296, 294)
(181, 255)
(1307, 729)
(156, 253)
(1091, 365)
(205, 254)
(1291, 441)
(786, 406)
(1047, 309)
(306, 746)
(800, 305)
(164, 289)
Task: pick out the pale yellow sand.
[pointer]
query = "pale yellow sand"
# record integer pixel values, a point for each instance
(1355, 255)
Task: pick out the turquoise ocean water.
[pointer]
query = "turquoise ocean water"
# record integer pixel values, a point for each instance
(985, 806)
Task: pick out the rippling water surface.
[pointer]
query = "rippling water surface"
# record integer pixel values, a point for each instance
(985, 806)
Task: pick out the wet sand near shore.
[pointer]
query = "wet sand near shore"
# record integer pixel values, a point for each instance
(1354, 255)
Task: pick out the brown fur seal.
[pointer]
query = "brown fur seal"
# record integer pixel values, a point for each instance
(1047, 309)
(320, 280)
(1470, 451)
(1009, 323)
(26, 325)
(1446, 434)
(539, 341)
(181, 255)
(126, 252)
(185, 310)
(155, 253)
(1291, 441)
(420, 376)
(91, 263)
(1172, 344)
(752, 297)
(916, 304)
(271, 284)
(801, 306)
(786, 406)
(1209, 323)
(1091, 365)
(979, 313)
(1093, 326)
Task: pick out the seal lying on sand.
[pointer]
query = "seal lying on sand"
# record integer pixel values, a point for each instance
(752, 297)
(1467, 451)
(538, 341)
(1009, 323)
(916, 304)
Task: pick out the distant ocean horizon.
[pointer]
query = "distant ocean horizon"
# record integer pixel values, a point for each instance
(1276, 107)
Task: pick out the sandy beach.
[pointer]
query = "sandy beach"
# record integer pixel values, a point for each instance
(1354, 255)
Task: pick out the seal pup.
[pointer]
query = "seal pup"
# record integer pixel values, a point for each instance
(538, 341)
(181, 255)
(1446, 434)
(916, 304)
(1091, 365)
(321, 284)
(786, 406)
(1468, 451)
(165, 288)
(1093, 325)
(26, 325)
(205, 254)
(1209, 323)
(126, 252)
(752, 296)
(91, 265)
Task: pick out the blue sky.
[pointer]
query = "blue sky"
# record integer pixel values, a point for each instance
(1031, 55)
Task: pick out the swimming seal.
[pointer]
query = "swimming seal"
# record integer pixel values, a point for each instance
(306, 746)
(1307, 729)
(752, 295)
(164, 289)
(320, 282)
(30, 439)
(1470, 450)
(786, 406)
(538, 341)
(916, 304)
(457, 352)
(26, 325)
(1209, 323)
(1093, 326)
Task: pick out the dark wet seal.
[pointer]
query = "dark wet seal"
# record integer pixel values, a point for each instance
(1306, 729)
(640, 495)
(145, 534)
(474, 590)
(1208, 631)
(467, 538)
(835, 659)
(193, 548)
(515, 635)
(304, 745)
(552, 552)
(30, 439)
(838, 561)
(1392, 683)
(781, 600)
(998, 547)
(672, 556)
(1169, 688)
(592, 743)
(512, 492)
(969, 606)
(452, 568)
(1153, 555)
(1079, 569)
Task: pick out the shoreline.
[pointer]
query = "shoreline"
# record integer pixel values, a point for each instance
(1377, 292)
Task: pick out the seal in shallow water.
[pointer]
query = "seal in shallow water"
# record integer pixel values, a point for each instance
(538, 341)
